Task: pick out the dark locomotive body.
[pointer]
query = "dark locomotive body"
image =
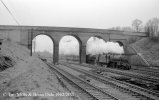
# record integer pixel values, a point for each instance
(119, 61)
(110, 60)
(90, 59)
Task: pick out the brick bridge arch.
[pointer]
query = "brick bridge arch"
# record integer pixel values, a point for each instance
(79, 41)
(25, 34)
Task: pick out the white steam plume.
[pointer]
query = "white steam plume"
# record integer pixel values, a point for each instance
(99, 46)
(70, 46)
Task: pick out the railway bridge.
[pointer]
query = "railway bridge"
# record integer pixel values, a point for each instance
(25, 34)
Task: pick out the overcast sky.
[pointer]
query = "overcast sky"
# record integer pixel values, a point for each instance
(78, 13)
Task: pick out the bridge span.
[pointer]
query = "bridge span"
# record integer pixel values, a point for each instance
(25, 34)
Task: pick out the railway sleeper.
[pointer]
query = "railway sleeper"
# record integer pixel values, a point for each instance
(136, 93)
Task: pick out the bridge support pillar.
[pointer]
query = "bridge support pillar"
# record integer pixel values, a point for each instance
(83, 54)
(56, 53)
(30, 48)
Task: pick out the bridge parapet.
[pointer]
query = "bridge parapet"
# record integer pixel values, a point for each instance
(71, 29)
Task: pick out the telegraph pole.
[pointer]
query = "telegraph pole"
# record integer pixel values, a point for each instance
(31, 41)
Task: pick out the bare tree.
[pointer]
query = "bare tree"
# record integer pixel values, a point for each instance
(136, 24)
(152, 27)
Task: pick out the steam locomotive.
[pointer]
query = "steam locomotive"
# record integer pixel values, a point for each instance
(110, 60)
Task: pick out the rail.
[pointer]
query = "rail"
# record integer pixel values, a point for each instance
(130, 89)
(95, 92)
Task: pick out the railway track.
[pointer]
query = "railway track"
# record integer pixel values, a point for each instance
(150, 72)
(147, 71)
(92, 92)
(143, 79)
(130, 74)
(136, 92)
(133, 75)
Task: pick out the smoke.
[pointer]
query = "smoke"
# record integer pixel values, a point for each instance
(70, 46)
(99, 46)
